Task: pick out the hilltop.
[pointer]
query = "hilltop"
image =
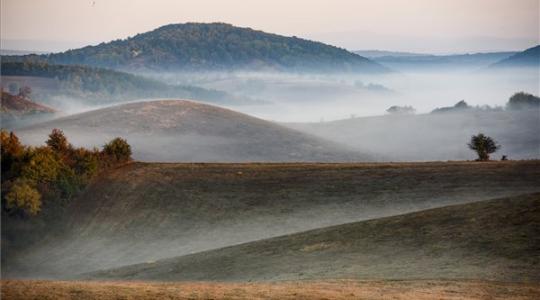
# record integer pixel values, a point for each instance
(17, 105)
(214, 46)
(491, 240)
(181, 130)
(144, 212)
(16, 109)
(528, 58)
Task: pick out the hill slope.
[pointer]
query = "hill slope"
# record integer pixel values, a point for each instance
(215, 46)
(528, 58)
(491, 240)
(17, 105)
(97, 86)
(179, 130)
(16, 110)
(434, 136)
(144, 212)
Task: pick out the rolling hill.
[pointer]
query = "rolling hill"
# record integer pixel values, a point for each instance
(16, 109)
(144, 212)
(491, 240)
(179, 130)
(529, 58)
(426, 137)
(214, 46)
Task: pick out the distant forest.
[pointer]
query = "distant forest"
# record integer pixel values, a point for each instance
(103, 86)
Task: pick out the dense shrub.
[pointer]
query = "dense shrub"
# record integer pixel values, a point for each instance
(483, 146)
(23, 196)
(118, 149)
(34, 176)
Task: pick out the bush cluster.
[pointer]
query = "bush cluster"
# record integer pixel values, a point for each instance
(32, 176)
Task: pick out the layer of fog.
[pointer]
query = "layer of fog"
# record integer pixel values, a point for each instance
(326, 97)
(431, 137)
(107, 233)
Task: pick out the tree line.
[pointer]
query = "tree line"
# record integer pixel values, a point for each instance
(33, 177)
(101, 86)
(518, 101)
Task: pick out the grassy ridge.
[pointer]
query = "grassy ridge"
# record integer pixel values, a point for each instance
(145, 212)
(491, 240)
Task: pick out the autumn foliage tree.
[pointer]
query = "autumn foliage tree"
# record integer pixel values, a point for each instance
(57, 141)
(118, 149)
(36, 176)
(24, 196)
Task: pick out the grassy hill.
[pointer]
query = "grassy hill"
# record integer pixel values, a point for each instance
(145, 212)
(16, 109)
(179, 130)
(215, 46)
(434, 136)
(529, 58)
(491, 240)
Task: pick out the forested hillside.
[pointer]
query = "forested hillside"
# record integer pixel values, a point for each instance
(214, 46)
(99, 85)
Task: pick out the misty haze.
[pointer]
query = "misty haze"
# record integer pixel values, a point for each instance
(218, 153)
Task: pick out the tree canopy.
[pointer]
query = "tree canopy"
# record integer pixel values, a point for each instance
(33, 177)
(483, 146)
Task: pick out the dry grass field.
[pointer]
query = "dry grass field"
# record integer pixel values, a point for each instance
(312, 290)
(145, 212)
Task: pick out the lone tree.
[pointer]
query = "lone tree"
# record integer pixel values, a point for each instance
(118, 149)
(483, 145)
(58, 141)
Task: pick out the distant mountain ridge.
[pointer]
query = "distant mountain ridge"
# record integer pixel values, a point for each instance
(415, 61)
(528, 58)
(215, 46)
(382, 53)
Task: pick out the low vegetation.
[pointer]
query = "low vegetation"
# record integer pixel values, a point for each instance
(33, 176)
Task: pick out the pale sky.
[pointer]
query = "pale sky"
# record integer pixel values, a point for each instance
(429, 26)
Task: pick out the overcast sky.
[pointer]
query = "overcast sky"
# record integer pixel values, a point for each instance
(430, 26)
